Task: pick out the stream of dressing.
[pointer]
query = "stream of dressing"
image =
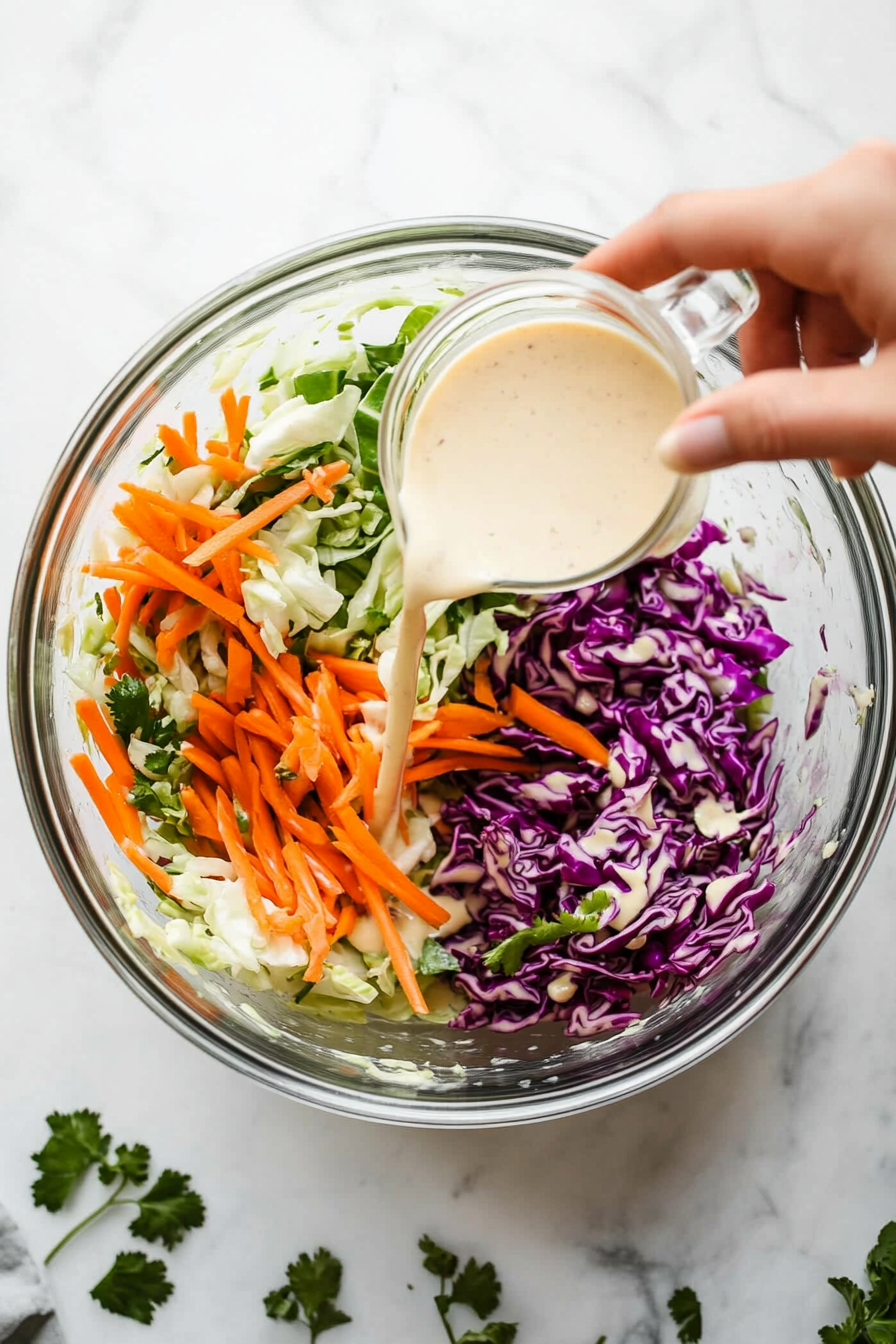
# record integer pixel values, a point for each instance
(530, 459)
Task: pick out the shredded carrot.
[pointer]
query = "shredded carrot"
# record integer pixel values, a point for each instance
(265, 513)
(561, 730)
(102, 798)
(192, 586)
(125, 573)
(403, 828)
(149, 869)
(221, 720)
(226, 467)
(112, 599)
(216, 519)
(151, 607)
(369, 767)
(266, 689)
(324, 693)
(204, 762)
(143, 523)
(256, 721)
(236, 414)
(482, 683)
(354, 675)
(202, 821)
(471, 721)
(129, 607)
(474, 747)
(444, 765)
(329, 780)
(128, 814)
(239, 672)
(290, 687)
(178, 447)
(303, 828)
(236, 852)
(398, 953)
(167, 640)
(211, 739)
(381, 867)
(346, 922)
(95, 718)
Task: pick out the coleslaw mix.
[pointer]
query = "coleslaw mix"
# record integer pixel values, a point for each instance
(589, 802)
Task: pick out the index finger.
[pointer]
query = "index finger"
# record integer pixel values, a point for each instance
(714, 230)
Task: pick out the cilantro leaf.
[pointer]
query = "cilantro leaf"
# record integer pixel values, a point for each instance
(157, 762)
(436, 959)
(133, 1287)
(168, 1210)
(98, 603)
(882, 1257)
(496, 1332)
(313, 1285)
(130, 1163)
(507, 956)
(477, 1286)
(436, 1260)
(76, 1142)
(684, 1308)
(128, 701)
(280, 1305)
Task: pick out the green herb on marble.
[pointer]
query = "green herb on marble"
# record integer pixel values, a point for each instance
(309, 1295)
(684, 1308)
(475, 1286)
(871, 1315)
(134, 1287)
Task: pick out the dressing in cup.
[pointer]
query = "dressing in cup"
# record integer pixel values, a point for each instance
(517, 447)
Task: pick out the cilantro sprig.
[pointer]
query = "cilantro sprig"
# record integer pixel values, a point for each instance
(507, 956)
(686, 1312)
(475, 1285)
(309, 1295)
(871, 1317)
(134, 1287)
(164, 1213)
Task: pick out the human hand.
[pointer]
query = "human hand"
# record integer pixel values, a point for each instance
(823, 249)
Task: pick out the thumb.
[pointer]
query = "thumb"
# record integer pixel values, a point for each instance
(846, 414)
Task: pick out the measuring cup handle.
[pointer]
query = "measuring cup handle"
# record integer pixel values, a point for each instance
(704, 308)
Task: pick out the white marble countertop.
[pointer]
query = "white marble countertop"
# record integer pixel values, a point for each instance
(150, 149)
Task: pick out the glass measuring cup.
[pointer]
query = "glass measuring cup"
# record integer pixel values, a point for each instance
(677, 321)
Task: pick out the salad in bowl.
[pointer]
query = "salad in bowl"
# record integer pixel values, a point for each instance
(588, 815)
(621, 833)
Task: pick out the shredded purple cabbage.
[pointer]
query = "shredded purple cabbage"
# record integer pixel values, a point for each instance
(661, 664)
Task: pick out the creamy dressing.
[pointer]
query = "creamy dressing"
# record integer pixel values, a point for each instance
(530, 461)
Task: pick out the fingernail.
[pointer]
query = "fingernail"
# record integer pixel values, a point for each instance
(695, 445)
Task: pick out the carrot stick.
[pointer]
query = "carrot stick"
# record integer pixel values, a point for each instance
(129, 608)
(187, 624)
(345, 923)
(354, 675)
(149, 869)
(112, 599)
(95, 718)
(398, 953)
(279, 710)
(290, 687)
(239, 672)
(444, 765)
(303, 828)
(320, 684)
(329, 779)
(482, 683)
(255, 721)
(145, 528)
(222, 722)
(380, 866)
(473, 747)
(236, 413)
(561, 730)
(265, 513)
(226, 467)
(470, 720)
(204, 762)
(249, 770)
(124, 573)
(202, 821)
(128, 814)
(151, 606)
(217, 748)
(103, 801)
(206, 794)
(236, 852)
(177, 447)
(369, 765)
(188, 512)
(192, 586)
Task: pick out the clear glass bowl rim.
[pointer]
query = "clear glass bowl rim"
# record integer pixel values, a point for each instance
(867, 526)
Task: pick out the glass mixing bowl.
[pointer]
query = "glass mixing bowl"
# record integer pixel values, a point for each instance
(826, 547)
